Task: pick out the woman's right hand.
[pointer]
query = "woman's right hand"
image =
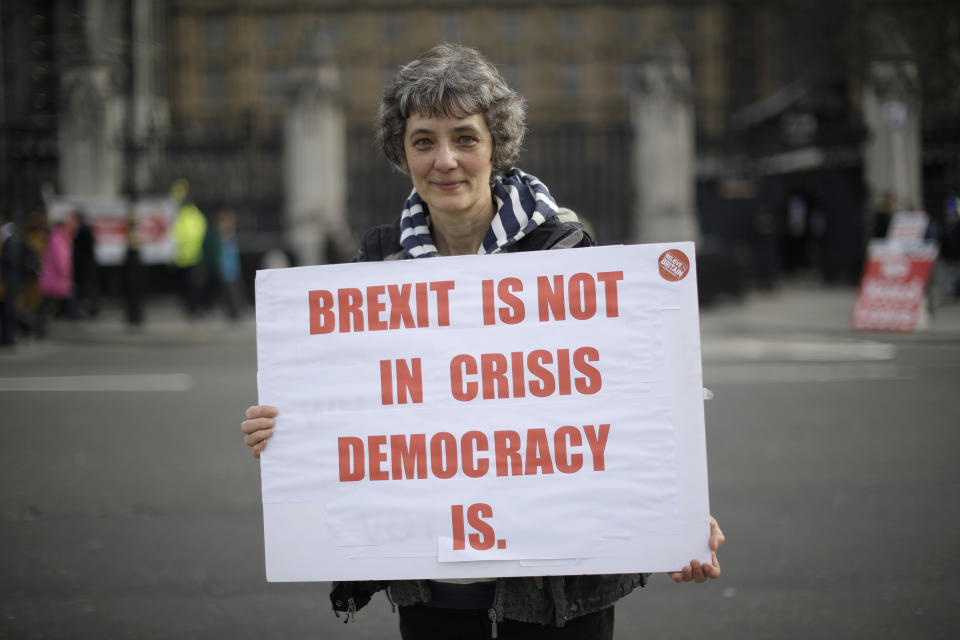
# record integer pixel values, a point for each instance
(258, 427)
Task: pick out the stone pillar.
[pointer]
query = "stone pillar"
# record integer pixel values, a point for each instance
(92, 128)
(315, 164)
(891, 113)
(661, 112)
(90, 135)
(149, 111)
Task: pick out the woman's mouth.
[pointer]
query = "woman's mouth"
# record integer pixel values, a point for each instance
(447, 186)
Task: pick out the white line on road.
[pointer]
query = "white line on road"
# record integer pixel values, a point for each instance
(796, 350)
(109, 383)
(779, 373)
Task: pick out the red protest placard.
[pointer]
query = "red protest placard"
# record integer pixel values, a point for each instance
(893, 286)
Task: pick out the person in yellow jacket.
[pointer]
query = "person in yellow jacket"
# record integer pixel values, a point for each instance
(188, 232)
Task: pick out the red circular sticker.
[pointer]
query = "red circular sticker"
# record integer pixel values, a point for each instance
(674, 265)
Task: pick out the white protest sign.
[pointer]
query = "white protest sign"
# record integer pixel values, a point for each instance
(481, 416)
(908, 226)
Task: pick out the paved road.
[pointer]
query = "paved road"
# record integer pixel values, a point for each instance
(130, 509)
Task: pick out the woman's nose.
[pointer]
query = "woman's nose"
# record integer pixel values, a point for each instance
(446, 159)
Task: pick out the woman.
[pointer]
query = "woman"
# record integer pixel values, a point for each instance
(450, 121)
(56, 275)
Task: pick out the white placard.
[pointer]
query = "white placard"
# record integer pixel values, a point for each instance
(480, 416)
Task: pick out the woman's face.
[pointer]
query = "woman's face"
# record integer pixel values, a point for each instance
(450, 161)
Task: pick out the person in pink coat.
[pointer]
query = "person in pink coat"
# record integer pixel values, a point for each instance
(56, 274)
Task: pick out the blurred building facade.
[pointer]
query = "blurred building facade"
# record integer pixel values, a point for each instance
(203, 89)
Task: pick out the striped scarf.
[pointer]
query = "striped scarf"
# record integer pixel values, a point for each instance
(523, 204)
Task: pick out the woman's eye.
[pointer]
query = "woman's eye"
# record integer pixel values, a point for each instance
(467, 140)
(421, 143)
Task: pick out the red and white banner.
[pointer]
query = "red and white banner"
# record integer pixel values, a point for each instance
(481, 416)
(108, 218)
(893, 285)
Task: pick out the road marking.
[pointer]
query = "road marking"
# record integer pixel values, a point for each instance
(796, 350)
(109, 383)
(780, 373)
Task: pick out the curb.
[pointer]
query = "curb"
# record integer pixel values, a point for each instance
(788, 313)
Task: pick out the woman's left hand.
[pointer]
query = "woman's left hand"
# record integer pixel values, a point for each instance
(697, 571)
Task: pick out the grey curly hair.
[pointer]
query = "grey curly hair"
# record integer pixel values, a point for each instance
(452, 81)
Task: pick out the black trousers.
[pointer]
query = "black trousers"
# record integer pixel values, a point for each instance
(420, 622)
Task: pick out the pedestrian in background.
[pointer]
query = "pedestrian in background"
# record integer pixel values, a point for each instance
(133, 282)
(86, 273)
(884, 215)
(34, 246)
(451, 123)
(56, 276)
(221, 265)
(946, 281)
(229, 287)
(189, 230)
(209, 276)
(11, 251)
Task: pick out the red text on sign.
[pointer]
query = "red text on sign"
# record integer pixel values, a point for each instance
(580, 295)
(484, 538)
(379, 307)
(513, 312)
(409, 381)
(567, 449)
(539, 372)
